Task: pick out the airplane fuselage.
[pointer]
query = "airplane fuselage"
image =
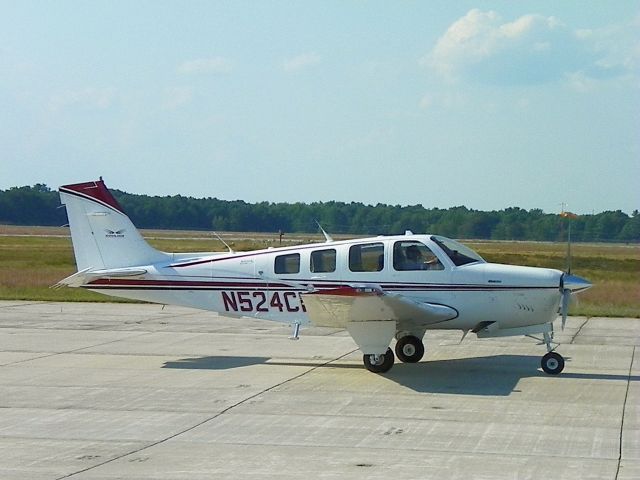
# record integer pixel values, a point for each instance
(270, 283)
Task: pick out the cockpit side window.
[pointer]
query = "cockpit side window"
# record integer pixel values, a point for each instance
(414, 255)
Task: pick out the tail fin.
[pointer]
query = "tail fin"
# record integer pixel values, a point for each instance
(103, 236)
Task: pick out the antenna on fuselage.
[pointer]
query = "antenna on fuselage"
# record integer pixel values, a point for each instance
(328, 238)
(231, 250)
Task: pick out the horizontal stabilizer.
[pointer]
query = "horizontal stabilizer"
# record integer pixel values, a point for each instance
(87, 275)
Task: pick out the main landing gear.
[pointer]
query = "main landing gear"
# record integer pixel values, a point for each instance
(552, 362)
(409, 349)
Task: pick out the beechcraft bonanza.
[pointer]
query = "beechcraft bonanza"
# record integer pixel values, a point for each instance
(376, 288)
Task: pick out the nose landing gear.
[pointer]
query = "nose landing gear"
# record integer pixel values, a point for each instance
(379, 363)
(552, 362)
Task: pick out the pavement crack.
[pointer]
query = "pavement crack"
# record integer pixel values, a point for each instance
(624, 409)
(209, 419)
(579, 330)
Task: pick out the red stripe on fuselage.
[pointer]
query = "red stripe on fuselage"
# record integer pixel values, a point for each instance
(184, 283)
(326, 288)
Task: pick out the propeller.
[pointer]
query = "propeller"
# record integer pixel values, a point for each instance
(566, 293)
(570, 284)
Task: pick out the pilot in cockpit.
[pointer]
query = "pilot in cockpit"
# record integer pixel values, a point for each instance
(414, 259)
(417, 257)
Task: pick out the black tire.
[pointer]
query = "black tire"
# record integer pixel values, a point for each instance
(552, 363)
(383, 365)
(409, 349)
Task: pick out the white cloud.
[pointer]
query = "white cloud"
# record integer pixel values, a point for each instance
(90, 97)
(617, 46)
(301, 61)
(177, 97)
(205, 65)
(467, 40)
(533, 48)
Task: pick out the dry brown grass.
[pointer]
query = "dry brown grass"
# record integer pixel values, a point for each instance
(33, 258)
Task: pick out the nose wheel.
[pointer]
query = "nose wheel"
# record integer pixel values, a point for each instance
(552, 363)
(380, 363)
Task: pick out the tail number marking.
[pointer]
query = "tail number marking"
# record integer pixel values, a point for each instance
(262, 302)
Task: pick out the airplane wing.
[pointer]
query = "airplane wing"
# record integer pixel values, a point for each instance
(339, 306)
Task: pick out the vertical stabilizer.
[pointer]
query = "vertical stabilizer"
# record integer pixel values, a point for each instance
(103, 236)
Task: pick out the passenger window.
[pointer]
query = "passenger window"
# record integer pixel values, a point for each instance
(368, 257)
(413, 255)
(323, 261)
(287, 263)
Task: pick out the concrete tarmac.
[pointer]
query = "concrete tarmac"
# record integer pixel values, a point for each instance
(120, 391)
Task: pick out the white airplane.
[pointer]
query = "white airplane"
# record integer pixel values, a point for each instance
(376, 288)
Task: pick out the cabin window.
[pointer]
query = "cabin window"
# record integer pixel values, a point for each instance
(323, 261)
(368, 257)
(287, 263)
(414, 255)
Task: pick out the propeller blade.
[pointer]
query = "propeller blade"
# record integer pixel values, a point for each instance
(566, 297)
(570, 284)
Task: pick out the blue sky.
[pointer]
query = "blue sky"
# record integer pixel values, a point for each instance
(482, 104)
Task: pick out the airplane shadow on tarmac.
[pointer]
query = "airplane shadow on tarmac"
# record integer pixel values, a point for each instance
(496, 375)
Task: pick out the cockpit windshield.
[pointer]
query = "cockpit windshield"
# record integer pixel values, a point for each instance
(457, 252)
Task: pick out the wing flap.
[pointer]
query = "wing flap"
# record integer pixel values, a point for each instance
(337, 307)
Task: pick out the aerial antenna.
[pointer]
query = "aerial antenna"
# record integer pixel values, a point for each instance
(231, 250)
(327, 237)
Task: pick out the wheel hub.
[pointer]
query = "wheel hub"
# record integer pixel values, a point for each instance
(377, 359)
(409, 349)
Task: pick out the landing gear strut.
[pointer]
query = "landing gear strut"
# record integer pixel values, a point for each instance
(409, 349)
(552, 362)
(380, 363)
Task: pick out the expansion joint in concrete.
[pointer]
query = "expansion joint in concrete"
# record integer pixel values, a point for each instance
(207, 420)
(624, 409)
(579, 330)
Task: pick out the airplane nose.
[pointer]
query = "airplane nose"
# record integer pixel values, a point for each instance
(574, 283)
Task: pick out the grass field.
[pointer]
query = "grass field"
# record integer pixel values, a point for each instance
(34, 258)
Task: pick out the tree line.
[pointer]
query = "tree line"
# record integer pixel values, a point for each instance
(39, 205)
